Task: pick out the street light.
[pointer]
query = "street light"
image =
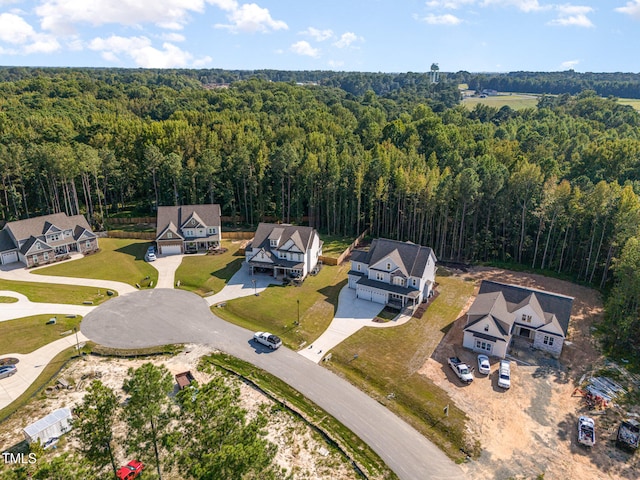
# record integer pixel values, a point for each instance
(298, 322)
(255, 290)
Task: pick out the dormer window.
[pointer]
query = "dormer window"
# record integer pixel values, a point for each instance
(273, 243)
(358, 267)
(169, 235)
(388, 266)
(486, 328)
(526, 318)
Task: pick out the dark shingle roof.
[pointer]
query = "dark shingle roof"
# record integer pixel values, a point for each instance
(412, 258)
(209, 214)
(23, 229)
(559, 305)
(5, 241)
(301, 236)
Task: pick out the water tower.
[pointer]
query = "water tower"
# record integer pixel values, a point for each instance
(434, 74)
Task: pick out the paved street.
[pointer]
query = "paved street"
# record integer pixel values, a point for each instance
(162, 316)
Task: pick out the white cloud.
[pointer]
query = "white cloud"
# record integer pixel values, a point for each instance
(317, 34)
(446, 19)
(304, 48)
(346, 39)
(60, 16)
(142, 52)
(523, 5)
(572, 16)
(15, 30)
(569, 64)
(632, 9)
(173, 37)
(335, 63)
(252, 18)
(449, 4)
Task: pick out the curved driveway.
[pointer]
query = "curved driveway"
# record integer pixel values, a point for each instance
(163, 316)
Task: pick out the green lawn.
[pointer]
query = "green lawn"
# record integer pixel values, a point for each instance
(50, 293)
(121, 260)
(276, 309)
(634, 102)
(8, 299)
(24, 335)
(209, 273)
(333, 245)
(517, 101)
(388, 360)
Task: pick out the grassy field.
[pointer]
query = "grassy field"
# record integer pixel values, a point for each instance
(334, 245)
(388, 360)
(50, 293)
(209, 273)
(276, 309)
(121, 260)
(634, 102)
(517, 101)
(24, 335)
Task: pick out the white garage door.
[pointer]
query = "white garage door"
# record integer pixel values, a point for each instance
(9, 257)
(352, 281)
(379, 297)
(170, 250)
(364, 294)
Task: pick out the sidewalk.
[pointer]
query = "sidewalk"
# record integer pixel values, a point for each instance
(31, 365)
(26, 308)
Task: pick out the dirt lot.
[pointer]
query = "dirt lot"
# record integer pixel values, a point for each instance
(531, 428)
(300, 449)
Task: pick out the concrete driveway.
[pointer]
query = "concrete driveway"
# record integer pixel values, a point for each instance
(241, 285)
(161, 316)
(166, 266)
(352, 314)
(25, 307)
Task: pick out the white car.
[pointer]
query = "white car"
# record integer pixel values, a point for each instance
(150, 257)
(268, 339)
(504, 374)
(484, 367)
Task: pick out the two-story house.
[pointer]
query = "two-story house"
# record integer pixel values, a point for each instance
(501, 311)
(188, 229)
(41, 240)
(284, 249)
(393, 273)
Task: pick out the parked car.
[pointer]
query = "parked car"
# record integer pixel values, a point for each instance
(462, 370)
(586, 431)
(150, 256)
(131, 470)
(484, 367)
(7, 371)
(504, 374)
(268, 339)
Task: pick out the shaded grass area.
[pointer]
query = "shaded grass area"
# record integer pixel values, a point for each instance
(204, 274)
(48, 372)
(359, 452)
(276, 309)
(24, 335)
(387, 364)
(121, 260)
(334, 245)
(55, 293)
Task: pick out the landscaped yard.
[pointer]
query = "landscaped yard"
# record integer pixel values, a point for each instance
(121, 260)
(333, 245)
(209, 273)
(49, 293)
(276, 309)
(387, 361)
(24, 335)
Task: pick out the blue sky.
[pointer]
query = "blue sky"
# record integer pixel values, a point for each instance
(350, 35)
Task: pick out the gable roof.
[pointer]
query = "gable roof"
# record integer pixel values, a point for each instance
(6, 243)
(302, 237)
(36, 226)
(208, 214)
(559, 305)
(410, 257)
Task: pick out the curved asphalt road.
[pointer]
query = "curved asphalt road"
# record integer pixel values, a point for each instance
(164, 316)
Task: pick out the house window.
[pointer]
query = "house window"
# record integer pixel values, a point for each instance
(273, 243)
(485, 346)
(38, 246)
(379, 276)
(35, 259)
(526, 318)
(358, 267)
(169, 235)
(413, 282)
(548, 340)
(486, 328)
(212, 231)
(388, 266)
(87, 244)
(398, 281)
(46, 255)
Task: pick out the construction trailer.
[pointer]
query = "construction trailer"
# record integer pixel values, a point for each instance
(49, 429)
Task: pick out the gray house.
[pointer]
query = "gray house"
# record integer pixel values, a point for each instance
(41, 240)
(502, 311)
(188, 229)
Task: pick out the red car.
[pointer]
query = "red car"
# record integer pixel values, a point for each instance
(131, 470)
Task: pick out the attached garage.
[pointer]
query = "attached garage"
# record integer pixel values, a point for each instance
(364, 294)
(170, 249)
(9, 257)
(379, 297)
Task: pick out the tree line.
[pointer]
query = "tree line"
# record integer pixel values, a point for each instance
(554, 187)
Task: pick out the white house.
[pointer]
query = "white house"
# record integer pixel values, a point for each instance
(394, 273)
(44, 239)
(188, 228)
(501, 311)
(284, 249)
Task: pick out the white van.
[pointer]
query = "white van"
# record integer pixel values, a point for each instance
(504, 374)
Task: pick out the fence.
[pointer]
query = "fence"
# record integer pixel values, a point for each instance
(135, 235)
(237, 235)
(136, 220)
(350, 248)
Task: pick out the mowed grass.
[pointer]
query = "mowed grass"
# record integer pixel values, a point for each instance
(121, 260)
(204, 274)
(8, 299)
(24, 335)
(633, 102)
(333, 245)
(516, 101)
(276, 309)
(50, 293)
(388, 360)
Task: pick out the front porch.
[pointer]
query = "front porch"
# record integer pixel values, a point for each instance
(200, 246)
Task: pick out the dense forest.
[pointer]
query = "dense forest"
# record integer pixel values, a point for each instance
(554, 188)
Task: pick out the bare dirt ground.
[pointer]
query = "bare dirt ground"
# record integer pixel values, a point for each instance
(530, 429)
(301, 450)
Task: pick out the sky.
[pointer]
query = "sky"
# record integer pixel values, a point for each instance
(344, 35)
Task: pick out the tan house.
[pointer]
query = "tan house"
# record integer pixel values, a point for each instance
(41, 240)
(502, 311)
(188, 229)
